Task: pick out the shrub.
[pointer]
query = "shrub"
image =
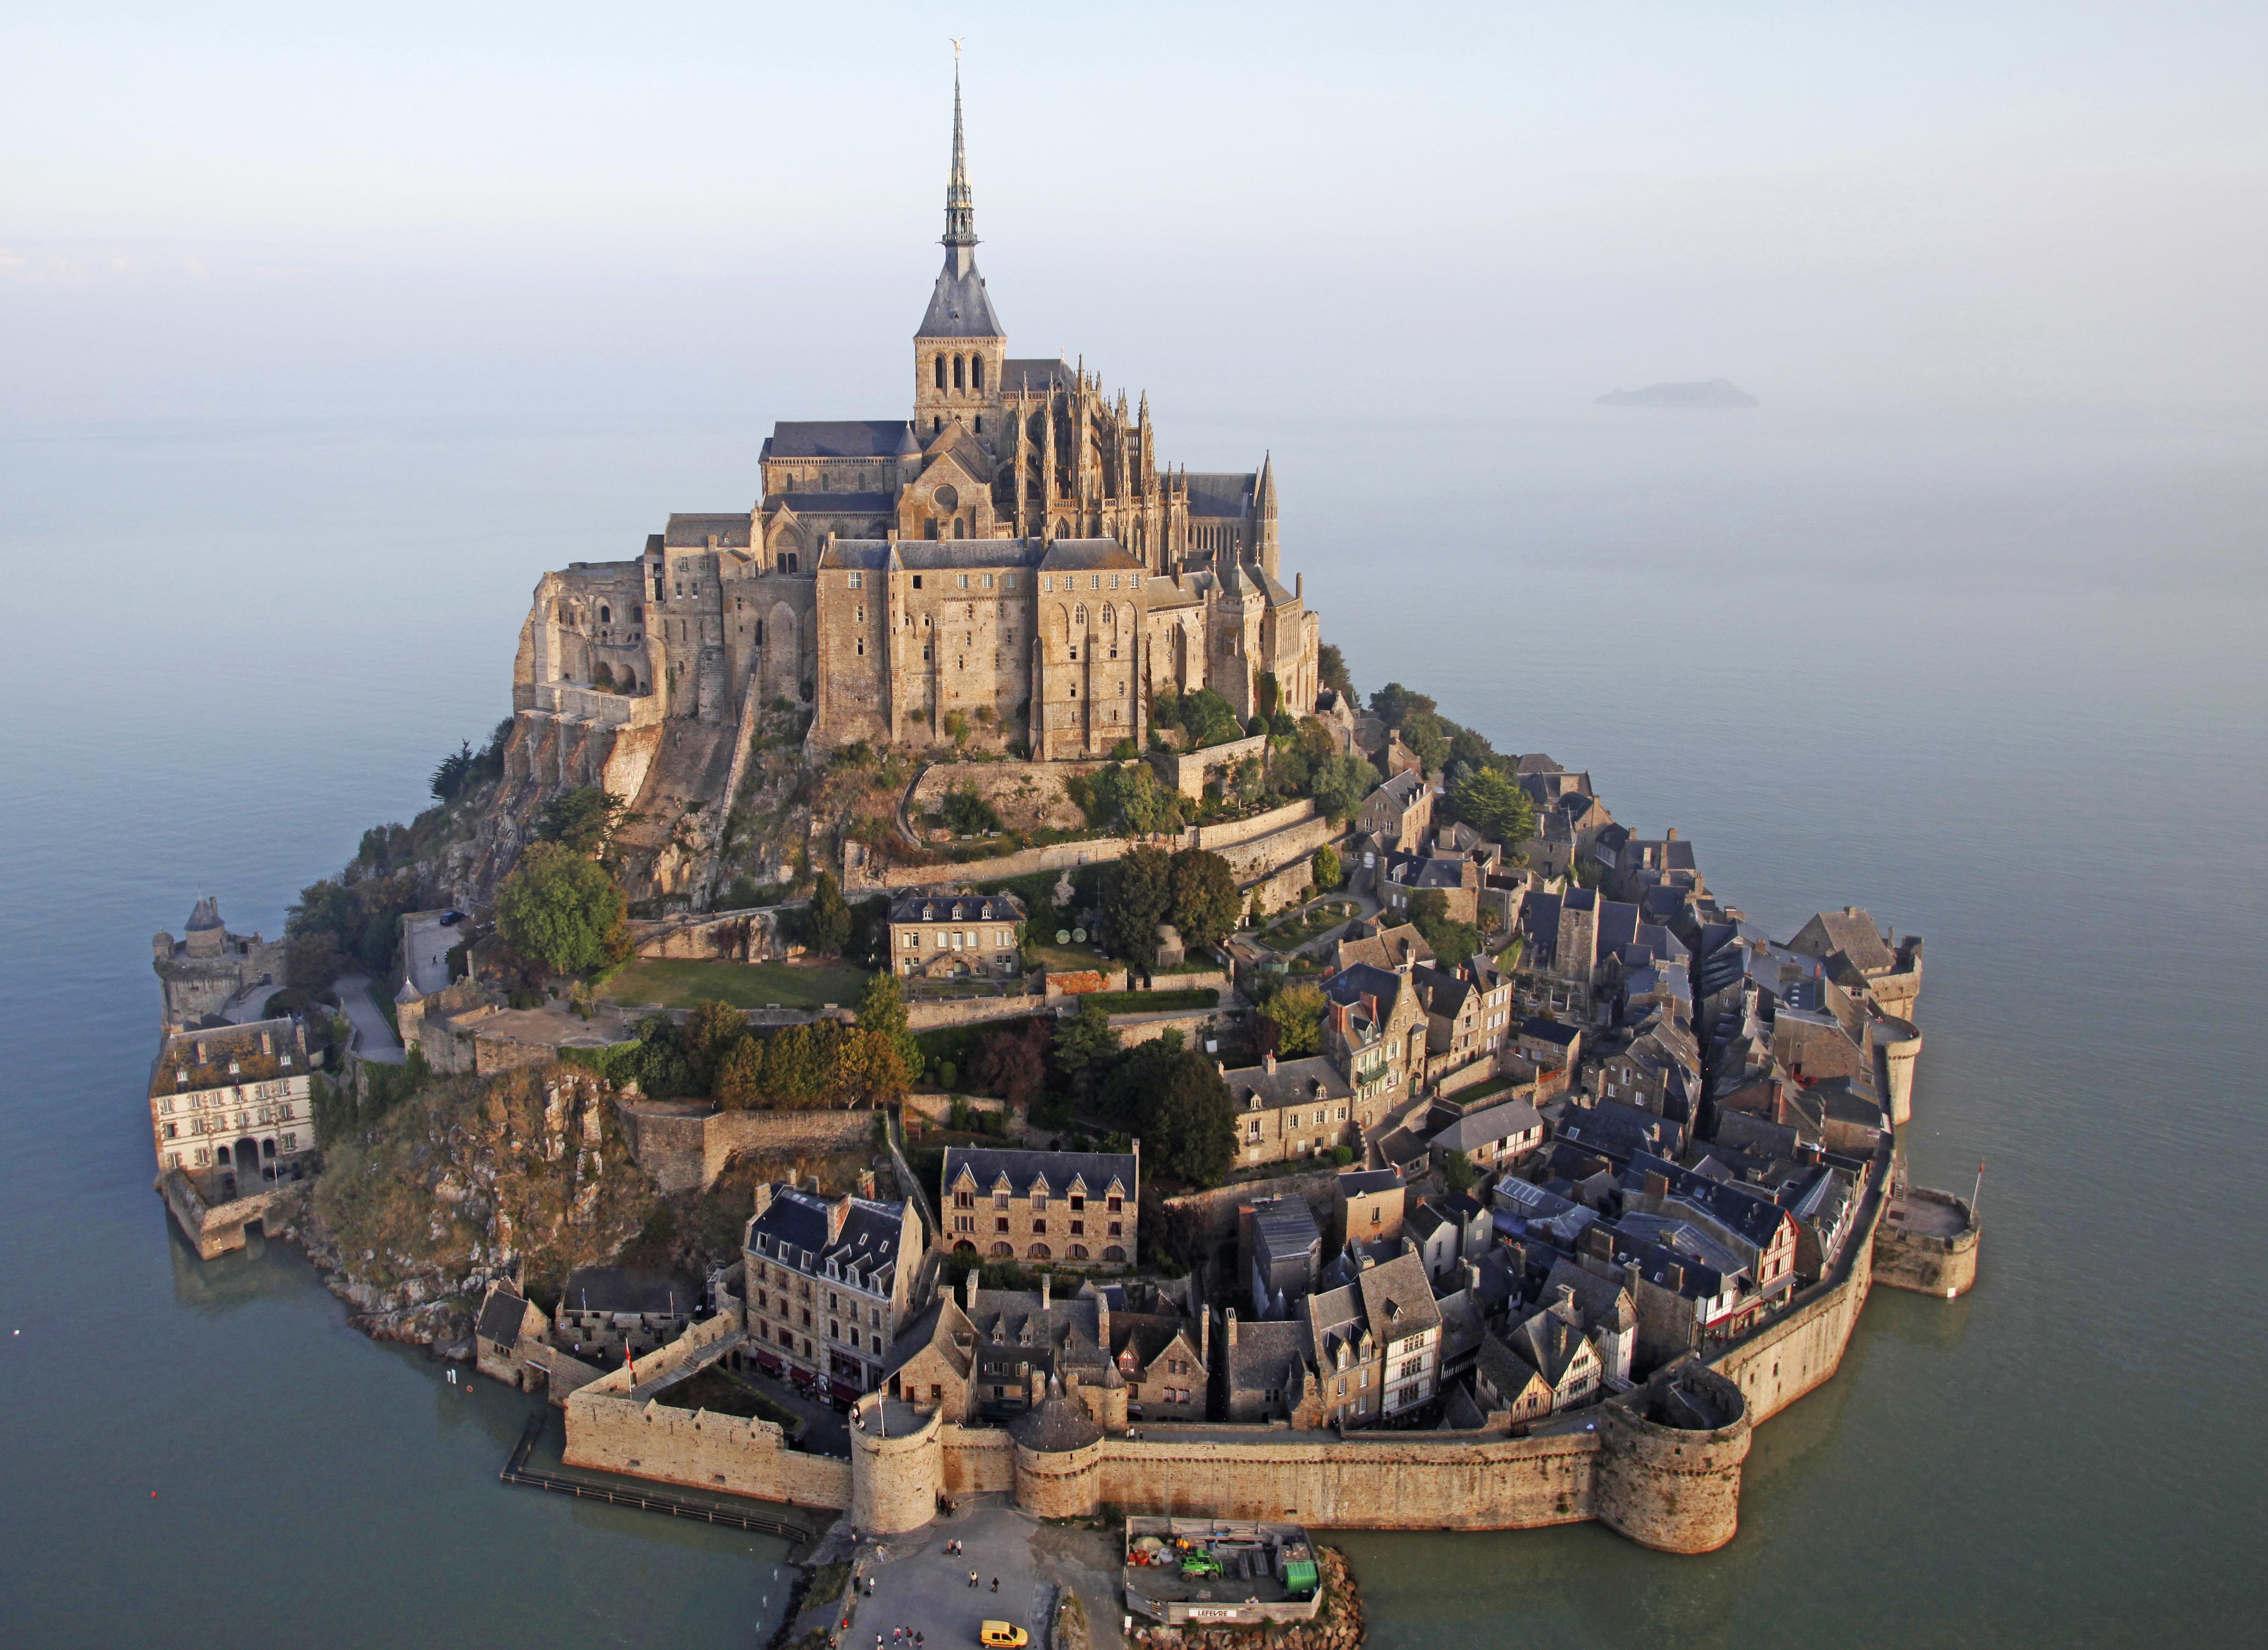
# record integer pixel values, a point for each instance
(560, 908)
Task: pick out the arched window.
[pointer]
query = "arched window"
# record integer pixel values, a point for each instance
(1114, 1255)
(958, 373)
(1002, 1250)
(605, 613)
(960, 528)
(1062, 529)
(976, 375)
(1078, 1251)
(941, 371)
(1038, 1252)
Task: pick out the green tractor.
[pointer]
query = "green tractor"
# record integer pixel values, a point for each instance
(1200, 1566)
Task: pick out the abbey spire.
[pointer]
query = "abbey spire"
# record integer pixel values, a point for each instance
(961, 350)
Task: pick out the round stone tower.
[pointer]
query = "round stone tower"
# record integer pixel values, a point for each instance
(1668, 1472)
(1897, 1046)
(1059, 1458)
(897, 1465)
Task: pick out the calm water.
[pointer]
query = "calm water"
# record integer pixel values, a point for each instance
(2002, 682)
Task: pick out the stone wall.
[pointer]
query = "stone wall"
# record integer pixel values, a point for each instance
(750, 936)
(613, 1433)
(1027, 795)
(929, 1014)
(1217, 1207)
(977, 1461)
(685, 1146)
(1133, 1028)
(895, 1480)
(1187, 771)
(1930, 1262)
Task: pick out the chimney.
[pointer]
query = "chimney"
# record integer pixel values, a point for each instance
(1472, 1276)
(1268, 1064)
(764, 1197)
(1046, 1291)
(267, 1043)
(1568, 1296)
(1230, 1326)
(1657, 1184)
(866, 1184)
(836, 1210)
(968, 1291)
(1673, 1276)
(1670, 835)
(1204, 1340)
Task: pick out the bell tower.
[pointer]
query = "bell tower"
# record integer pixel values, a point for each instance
(959, 352)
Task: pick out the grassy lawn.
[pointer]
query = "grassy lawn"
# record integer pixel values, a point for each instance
(679, 984)
(1481, 1091)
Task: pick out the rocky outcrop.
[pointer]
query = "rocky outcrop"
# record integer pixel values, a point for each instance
(525, 1175)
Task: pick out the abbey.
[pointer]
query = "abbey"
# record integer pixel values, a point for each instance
(1007, 562)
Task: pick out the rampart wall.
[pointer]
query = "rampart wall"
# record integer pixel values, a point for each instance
(685, 1146)
(1940, 1262)
(1217, 1207)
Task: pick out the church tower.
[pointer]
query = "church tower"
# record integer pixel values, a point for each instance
(959, 352)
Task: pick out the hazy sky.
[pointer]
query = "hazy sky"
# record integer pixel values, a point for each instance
(238, 209)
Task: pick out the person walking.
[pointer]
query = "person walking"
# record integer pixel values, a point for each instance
(972, 1578)
(995, 1584)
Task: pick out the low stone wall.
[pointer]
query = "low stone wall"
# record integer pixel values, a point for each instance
(977, 1461)
(1133, 1028)
(970, 1011)
(609, 1433)
(1234, 833)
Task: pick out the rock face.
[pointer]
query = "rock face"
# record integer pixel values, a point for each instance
(526, 1175)
(1717, 392)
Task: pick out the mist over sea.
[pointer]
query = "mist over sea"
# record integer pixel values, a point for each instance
(1999, 677)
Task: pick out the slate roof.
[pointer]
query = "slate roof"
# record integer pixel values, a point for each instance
(692, 531)
(973, 555)
(179, 1069)
(501, 1316)
(1358, 1183)
(204, 914)
(1549, 1031)
(1036, 372)
(1268, 1353)
(1548, 1342)
(1214, 494)
(1852, 932)
(1397, 1298)
(950, 905)
(1283, 1228)
(938, 1328)
(872, 555)
(1495, 1123)
(835, 439)
(1502, 1370)
(1084, 555)
(1096, 1172)
(1059, 1422)
(793, 1231)
(837, 504)
(1402, 790)
(629, 1289)
(959, 307)
(1292, 1083)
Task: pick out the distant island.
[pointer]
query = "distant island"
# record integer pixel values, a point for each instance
(1717, 392)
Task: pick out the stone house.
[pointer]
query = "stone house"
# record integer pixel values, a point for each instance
(1493, 1137)
(1368, 1205)
(506, 1319)
(1397, 1307)
(1545, 780)
(1346, 1358)
(1741, 1220)
(617, 1309)
(932, 1362)
(1467, 1015)
(1375, 1031)
(1398, 814)
(1386, 949)
(229, 1106)
(942, 934)
(1659, 1070)
(1282, 1250)
(1288, 1109)
(1064, 1208)
(1553, 1342)
(1266, 1375)
(830, 1284)
(1862, 957)
(1162, 1345)
(1549, 1041)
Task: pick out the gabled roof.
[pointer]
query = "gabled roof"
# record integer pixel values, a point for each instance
(792, 1230)
(501, 1314)
(835, 439)
(1495, 1123)
(1083, 556)
(1036, 372)
(953, 905)
(1269, 1353)
(939, 1328)
(1397, 1298)
(693, 531)
(1549, 1341)
(1093, 1173)
(1292, 1083)
(1214, 494)
(629, 1289)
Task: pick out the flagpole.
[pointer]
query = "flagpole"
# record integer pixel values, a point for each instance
(1979, 1192)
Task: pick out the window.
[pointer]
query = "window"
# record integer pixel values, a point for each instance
(964, 577)
(918, 578)
(1000, 1224)
(855, 578)
(1094, 581)
(1012, 581)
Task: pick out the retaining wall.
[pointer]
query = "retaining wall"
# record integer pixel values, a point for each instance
(1217, 1207)
(685, 1147)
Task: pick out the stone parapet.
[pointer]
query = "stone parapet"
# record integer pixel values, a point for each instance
(896, 1465)
(1669, 1466)
(1928, 1243)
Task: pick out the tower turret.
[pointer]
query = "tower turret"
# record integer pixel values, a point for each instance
(961, 350)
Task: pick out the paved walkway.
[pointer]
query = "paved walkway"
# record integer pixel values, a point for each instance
(918, 1584)
(374, 1039)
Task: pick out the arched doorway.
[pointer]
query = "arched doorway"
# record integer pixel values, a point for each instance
(247, 1165)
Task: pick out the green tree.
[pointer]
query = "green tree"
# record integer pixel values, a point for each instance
(1187, 1120)
(967, 814)
(711, 1029)
(739, 1084)
(1297, 1014)
(1137, 894)
(1328, 873)
(1331, 671)
(882, 1011)
(455, 768)
(1451, 941)
(1271, 696)
(1493, 805)
(1339, 783)
(827, 918)
(1458, 1172)
(795, 1067)
(866, 1068)
(1084, 1046)
(580, 820)
(1395, 704)
(560, 908)
(1204, 901)
(1010, 1061)
(1207, 719)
